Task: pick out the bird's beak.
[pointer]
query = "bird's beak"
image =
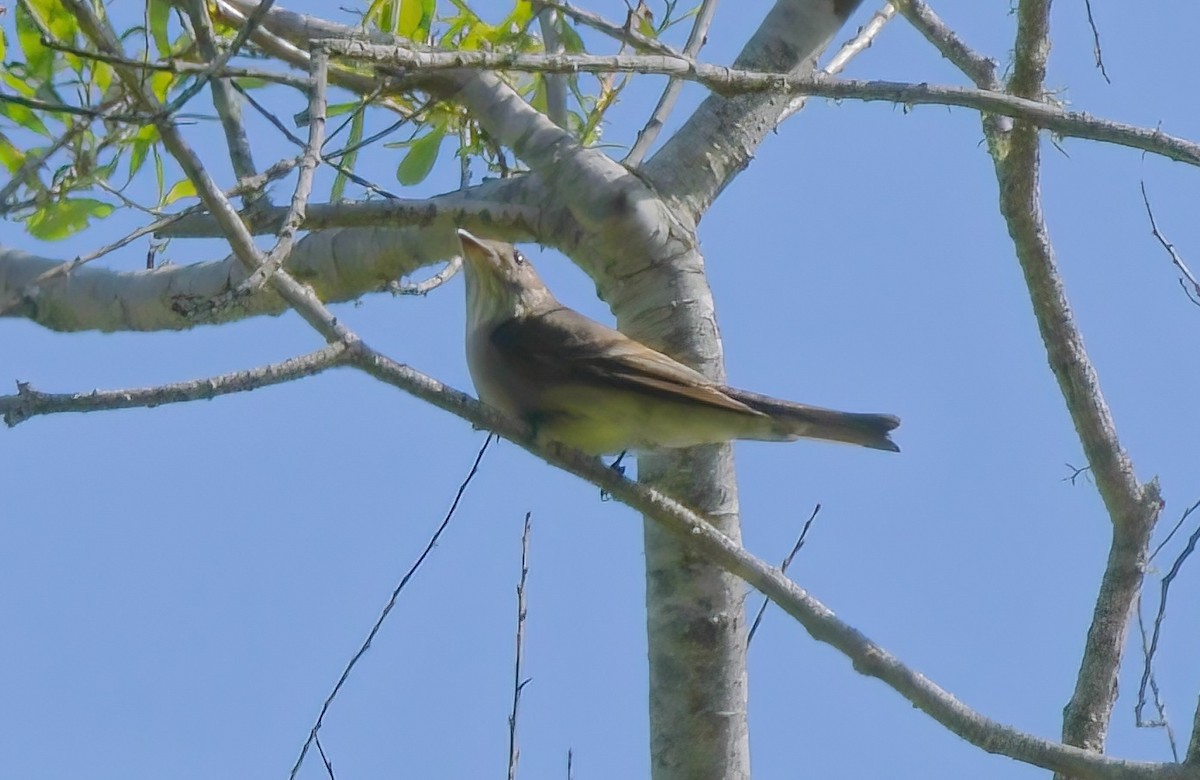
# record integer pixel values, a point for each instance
(473, 248)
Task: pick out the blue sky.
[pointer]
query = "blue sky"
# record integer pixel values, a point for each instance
(183, 585)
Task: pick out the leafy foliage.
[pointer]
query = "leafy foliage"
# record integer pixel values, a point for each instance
(76, 144)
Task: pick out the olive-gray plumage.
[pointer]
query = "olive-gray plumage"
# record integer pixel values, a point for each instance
(593, 388)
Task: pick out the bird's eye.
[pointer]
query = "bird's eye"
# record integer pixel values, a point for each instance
(520, 258)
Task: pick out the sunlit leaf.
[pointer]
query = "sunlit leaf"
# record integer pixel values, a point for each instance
(422, 154)
(24, 116)
(184, 188)
(338, 191)
(160, 84)
(416, 17)
(571, 42)
(251, 82)
(63, 218)
(39, 59)
(102, 75)
(159, 12)
(139, 146)
(11, 157)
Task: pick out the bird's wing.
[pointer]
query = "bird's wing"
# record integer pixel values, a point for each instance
(564, 346)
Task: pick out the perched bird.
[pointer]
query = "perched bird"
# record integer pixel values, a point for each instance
(593, 388)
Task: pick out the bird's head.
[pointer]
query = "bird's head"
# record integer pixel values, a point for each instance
(501, 282)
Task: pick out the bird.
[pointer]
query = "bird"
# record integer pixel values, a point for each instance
(588, 386)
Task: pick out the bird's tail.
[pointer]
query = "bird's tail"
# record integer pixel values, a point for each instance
(793, 421)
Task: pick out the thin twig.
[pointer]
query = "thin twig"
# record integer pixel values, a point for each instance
(617, 32)
(980, 69)
(730, 81)
(1193, 294)
(324, 758)
(29, 402)
(327, 159)
(366, 645)
(1164, 589)
(1096, 51)
(670, 95)
(430, 284)
(304, 180)
(787, 561)
(861, 41)
(556, 83)
(519, 683)
(1162, 721)
(225, 100)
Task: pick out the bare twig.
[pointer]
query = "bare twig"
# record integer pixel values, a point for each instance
(617, 32)
(1076, 472)
(787, 561)
(29, 402)
(519, 682)
(980, 69)
(327, 159)
(1096, 41)
(1161, 721)
(1151, 649)
(861, 41)
(556, 84)
(666, 102)
(430, 284)
(408, 575)
(225, 101)
(309, 161)
(1194, 293)
(729, 81)
(1192, 759)
(324, 758)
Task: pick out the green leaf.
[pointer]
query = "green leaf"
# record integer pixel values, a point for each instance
(572, 43)
(39, 59)
(63, 218)
(3, 44)
(139, 146)
(338, 191)
(251, 82)
(415, 19)
(160, 84)
(11, 156)
(422, 154)
(159, 12)
(184, 188)
(25, 117)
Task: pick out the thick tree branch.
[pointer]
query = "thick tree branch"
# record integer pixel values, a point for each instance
(340, 265)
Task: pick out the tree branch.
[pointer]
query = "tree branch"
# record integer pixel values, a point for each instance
(1132, 506)
(666, 102)
(732, 81)
(721, 136)
(340, 265)
(29, 402)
